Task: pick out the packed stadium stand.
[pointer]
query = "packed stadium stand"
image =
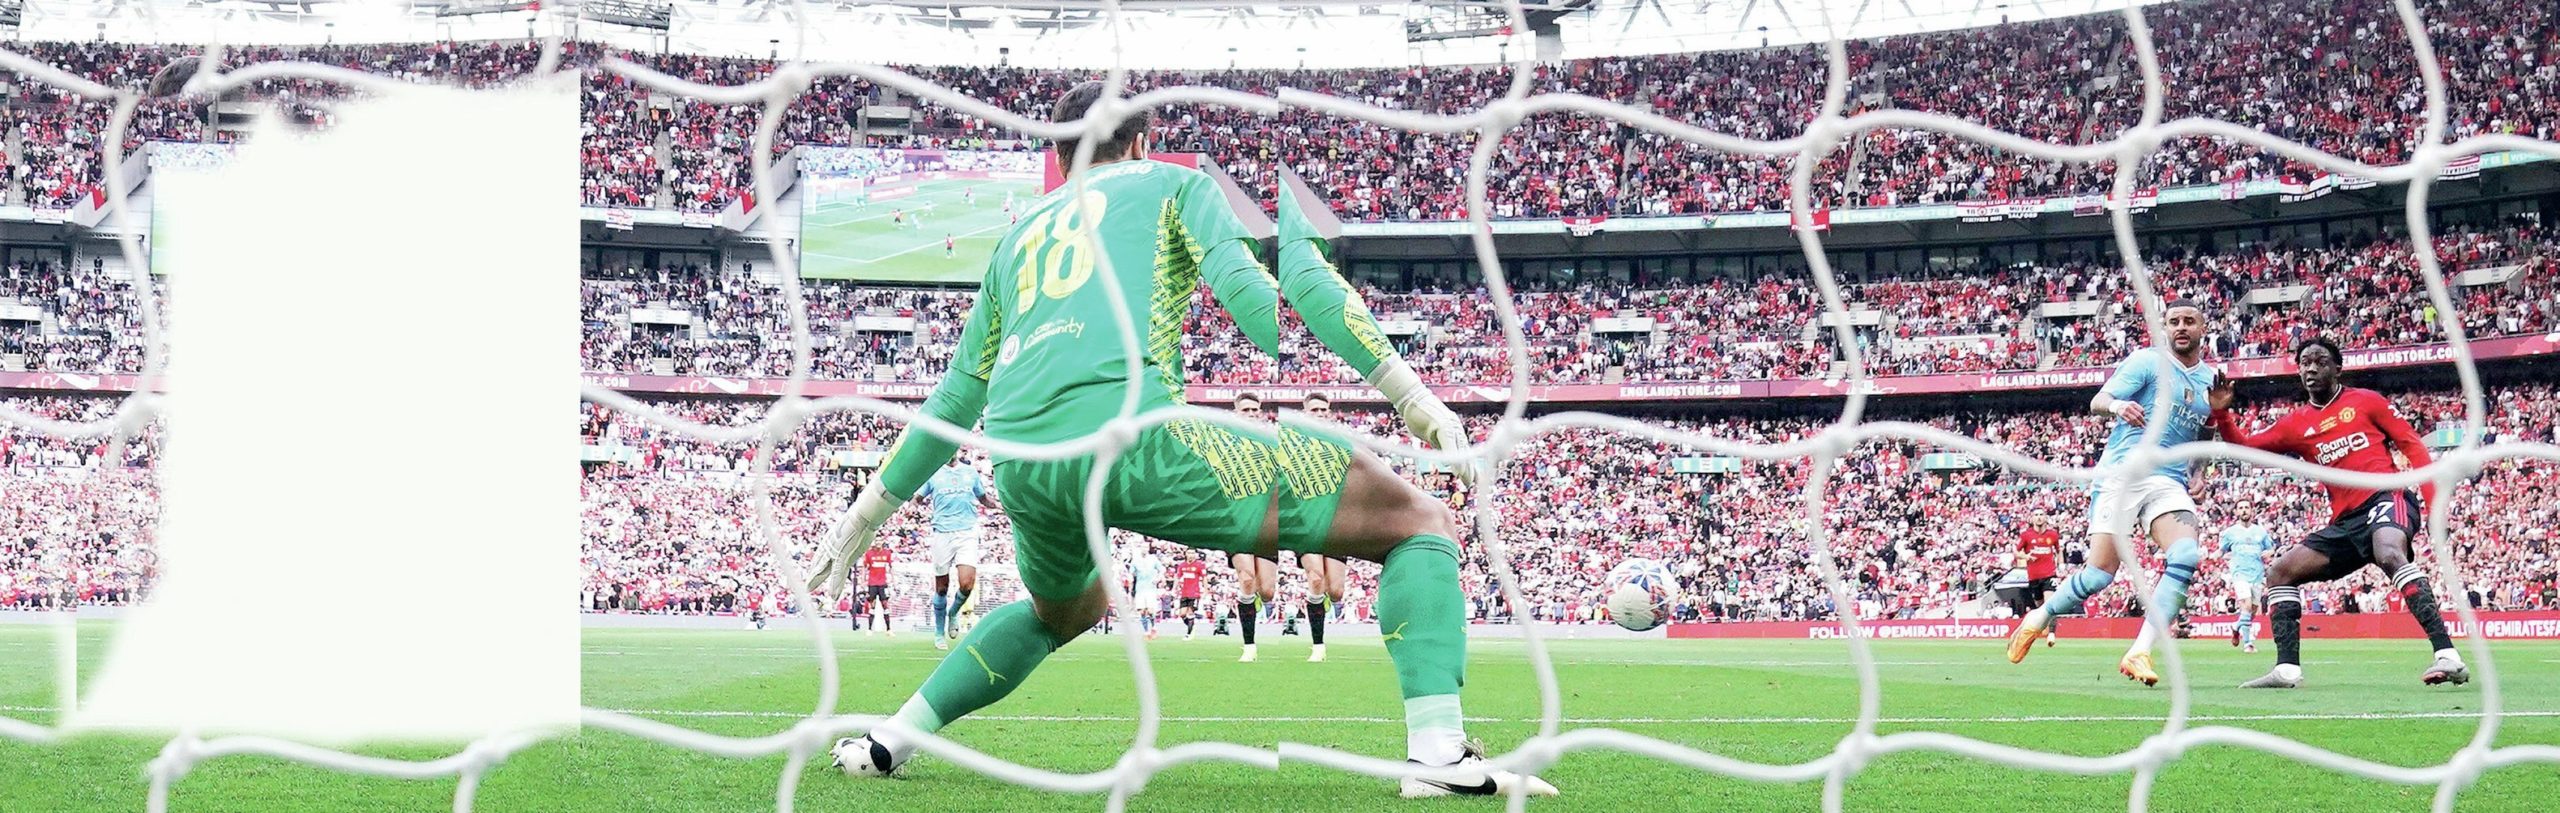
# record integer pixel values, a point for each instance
(2336, 75)
(666, 520)
(1981, 319)
(670, 531)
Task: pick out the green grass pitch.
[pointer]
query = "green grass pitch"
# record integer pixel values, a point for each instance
(1765, 701)
(844, 240)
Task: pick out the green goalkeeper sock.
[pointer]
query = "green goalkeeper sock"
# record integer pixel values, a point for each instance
(995, 657)
(1422, 616)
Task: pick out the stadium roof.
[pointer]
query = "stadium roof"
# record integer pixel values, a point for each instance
(1055, 33)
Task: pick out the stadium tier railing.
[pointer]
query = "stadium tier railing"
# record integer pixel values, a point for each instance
(2068, 378)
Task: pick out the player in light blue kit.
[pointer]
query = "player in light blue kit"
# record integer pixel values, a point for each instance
(2245, 545)
(2153, 384)
(955, 494)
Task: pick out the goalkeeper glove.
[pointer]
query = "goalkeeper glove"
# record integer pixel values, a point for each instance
(847, 538)
(1423, 413)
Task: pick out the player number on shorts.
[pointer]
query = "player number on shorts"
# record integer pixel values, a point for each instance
(1056, 260)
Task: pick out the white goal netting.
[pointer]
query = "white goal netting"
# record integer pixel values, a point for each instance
(810, 736)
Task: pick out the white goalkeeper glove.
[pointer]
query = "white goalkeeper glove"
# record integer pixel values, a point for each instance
(847, 538)
(1423, 413)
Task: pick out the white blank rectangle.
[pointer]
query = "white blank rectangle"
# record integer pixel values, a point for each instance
(370, 510)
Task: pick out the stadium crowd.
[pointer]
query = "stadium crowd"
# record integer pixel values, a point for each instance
(669, 524)
(1976, 319)
(2337, 75)
(729, 322)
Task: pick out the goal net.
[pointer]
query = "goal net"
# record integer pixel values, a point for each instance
(1826, 131)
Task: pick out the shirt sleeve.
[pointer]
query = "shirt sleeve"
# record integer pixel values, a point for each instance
(2275, 439)
(1325, 302)
(959, 399)
(2132, 376)
(1225, 253)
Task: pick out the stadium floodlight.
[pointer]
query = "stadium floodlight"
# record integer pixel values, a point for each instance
(11, 11)
(474, 9)
(654, 15)
(1479, 18)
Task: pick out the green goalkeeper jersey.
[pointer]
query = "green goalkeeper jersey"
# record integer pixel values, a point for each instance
(1324, 301)
(1042, 354)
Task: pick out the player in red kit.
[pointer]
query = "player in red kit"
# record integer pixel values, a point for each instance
(1188, 579)
(2347, 429)
(875, 599)
(2039, 546)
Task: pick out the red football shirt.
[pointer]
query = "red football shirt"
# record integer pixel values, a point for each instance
(1187, 578)
(2038, 549)
(875, 562)
(2347, 434)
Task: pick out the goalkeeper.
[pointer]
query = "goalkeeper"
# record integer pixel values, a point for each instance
(1042, 360)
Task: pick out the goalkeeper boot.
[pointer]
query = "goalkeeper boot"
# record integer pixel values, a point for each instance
(1471, 778)
(2447, 670)
(2029, 629)
(1247, 657)
(2284, 676)
(1316, 655)
(2137, 667)
(864, 756)
(941, 644)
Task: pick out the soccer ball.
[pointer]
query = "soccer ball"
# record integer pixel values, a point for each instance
(1640, 594)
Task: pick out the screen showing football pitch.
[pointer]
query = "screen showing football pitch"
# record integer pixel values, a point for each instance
(914, 216)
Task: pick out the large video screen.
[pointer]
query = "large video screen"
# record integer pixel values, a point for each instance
(915, 216)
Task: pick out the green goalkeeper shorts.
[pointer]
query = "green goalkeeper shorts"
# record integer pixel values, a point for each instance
(1186, 481)
(1313, 466)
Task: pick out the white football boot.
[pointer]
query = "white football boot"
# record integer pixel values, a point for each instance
(1473, 779)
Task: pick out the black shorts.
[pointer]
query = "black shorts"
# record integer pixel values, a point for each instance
(877, 592)
(2038, 589)
(1190, 604)
(2349, 542)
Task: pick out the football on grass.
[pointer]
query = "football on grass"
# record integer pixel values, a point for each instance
(1640, 594)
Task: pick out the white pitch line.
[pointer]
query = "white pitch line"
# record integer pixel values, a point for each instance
(962, 235)
(2127, 718)
(2056, 718)
(859, 655)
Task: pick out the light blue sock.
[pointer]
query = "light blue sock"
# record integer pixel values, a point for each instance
(2076, 590)
(2177, 570)
(2248, 625)
(941, 616)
